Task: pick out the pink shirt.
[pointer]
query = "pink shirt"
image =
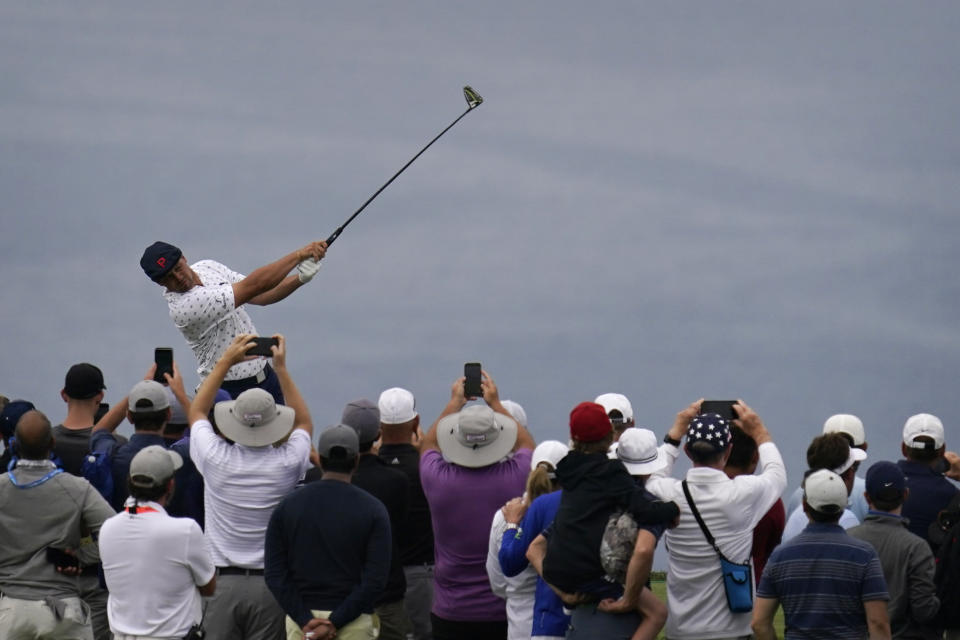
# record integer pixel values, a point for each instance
(461, 503)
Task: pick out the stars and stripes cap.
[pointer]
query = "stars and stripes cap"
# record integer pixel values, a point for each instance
(710, 428)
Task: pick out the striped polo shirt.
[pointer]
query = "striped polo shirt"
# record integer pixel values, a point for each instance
(822, 577)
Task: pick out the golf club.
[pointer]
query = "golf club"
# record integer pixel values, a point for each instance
(473, 101)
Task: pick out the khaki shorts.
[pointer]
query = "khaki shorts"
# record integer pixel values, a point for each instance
(64, 619)
(364, 627)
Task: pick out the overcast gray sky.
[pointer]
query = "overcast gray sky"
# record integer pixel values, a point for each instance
(668, 200)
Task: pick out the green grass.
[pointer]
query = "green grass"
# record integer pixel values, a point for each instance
(660, 590)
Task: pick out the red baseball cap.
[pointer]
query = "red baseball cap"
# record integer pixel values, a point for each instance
(589, 422)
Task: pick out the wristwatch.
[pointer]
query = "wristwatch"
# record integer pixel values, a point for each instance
(513, 525)
(667, 439)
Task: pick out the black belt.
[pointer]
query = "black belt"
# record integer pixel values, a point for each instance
(252, 380)
(239, 571)
(90, 570)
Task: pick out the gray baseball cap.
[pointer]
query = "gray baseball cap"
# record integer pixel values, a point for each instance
(147, 396)
(338, 435)
(364, 416)
(177, 413)
(153, 466)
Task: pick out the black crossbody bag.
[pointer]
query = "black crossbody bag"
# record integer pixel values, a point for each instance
(736, 577)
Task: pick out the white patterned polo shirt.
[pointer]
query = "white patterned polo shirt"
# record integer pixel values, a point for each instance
(207, 318)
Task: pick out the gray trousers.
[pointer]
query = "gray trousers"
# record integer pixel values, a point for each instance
(242, 608)
(393, 621)
(419, 600)
(96, 599)
(587, 623)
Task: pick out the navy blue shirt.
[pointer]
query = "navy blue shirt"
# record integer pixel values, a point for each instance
(187, 499)
(929, 493)
(121, 458)
(327, 548)
(391, 487)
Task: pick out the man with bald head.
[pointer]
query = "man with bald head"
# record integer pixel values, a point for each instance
(49, 521)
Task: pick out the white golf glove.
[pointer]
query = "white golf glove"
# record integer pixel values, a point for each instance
(307, 269)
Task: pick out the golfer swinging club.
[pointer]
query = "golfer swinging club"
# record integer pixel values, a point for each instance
(206, 303)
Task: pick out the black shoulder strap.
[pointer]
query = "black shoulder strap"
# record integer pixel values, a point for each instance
(696, 514)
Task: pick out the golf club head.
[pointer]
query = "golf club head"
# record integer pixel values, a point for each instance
(473, 98)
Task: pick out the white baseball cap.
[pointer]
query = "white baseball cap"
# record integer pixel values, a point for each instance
(616, 402)
(516, 411)
(923, 424)
(848, 424)
(396, 406)
(549, 451)
(856, 455)
(825, 491)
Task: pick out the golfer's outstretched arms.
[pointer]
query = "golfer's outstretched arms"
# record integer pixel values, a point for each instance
(270, 283)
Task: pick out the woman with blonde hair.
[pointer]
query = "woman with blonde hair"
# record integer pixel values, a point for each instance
(520, 590)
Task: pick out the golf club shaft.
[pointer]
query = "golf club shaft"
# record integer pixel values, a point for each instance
(336, 234)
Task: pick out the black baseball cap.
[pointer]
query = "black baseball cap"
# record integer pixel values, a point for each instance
(83, 381)
(158, 259)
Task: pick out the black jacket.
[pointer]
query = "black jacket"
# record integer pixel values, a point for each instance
(594, 486)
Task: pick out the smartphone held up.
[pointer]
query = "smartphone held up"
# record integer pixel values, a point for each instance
(471, 385)
(163, 357)
(262, 346)
(723, 408)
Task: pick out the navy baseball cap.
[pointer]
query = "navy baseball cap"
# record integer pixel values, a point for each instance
(158, 259)
(885, 481)
(11, 415)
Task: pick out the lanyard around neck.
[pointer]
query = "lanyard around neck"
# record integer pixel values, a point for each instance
(36, 482)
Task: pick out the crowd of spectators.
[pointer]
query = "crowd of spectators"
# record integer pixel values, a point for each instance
(223, 514)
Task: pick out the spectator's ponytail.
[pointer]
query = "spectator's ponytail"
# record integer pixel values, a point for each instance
(540, 481)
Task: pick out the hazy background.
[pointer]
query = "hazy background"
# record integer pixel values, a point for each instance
(667, 200)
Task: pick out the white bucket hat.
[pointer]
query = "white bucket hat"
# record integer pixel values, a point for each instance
(637, 449)
(476, 436)
(253, 419)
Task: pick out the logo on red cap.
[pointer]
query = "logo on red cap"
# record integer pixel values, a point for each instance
(162, 262)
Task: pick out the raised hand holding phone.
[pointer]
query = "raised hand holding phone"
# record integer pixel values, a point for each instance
(473, 374)
(163, 357)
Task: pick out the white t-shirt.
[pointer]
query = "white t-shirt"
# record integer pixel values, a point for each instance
(153, 564)
(208, 319)
(242, 485)
(797, 521)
